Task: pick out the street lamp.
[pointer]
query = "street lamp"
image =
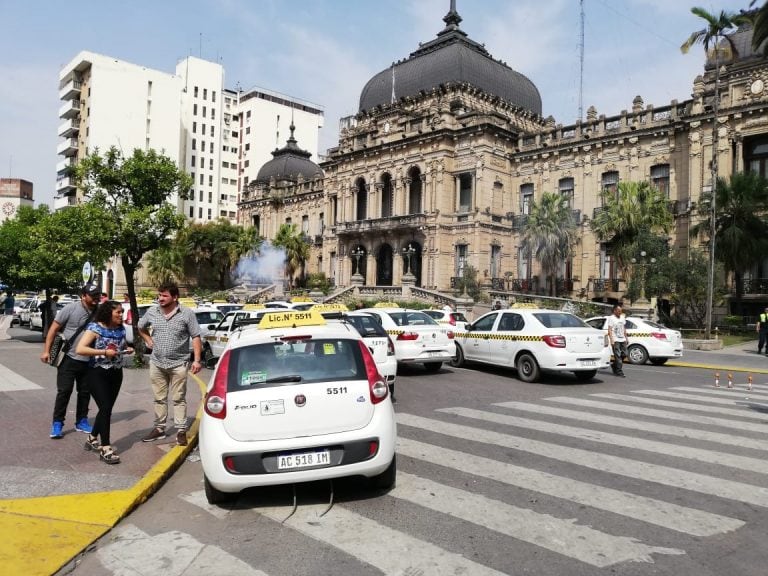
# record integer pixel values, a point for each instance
(643, 263)
(408, 252)
(357, 253)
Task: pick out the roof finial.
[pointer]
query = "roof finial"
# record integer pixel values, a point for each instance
(452, 19)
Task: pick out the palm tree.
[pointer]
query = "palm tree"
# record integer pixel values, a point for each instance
(717, 29)
(296, 250)
(549, 234)
(166, 264)
(759, 20)
(636, 208)
(741, 230)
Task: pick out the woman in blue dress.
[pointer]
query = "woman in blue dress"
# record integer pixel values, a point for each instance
(104, 341)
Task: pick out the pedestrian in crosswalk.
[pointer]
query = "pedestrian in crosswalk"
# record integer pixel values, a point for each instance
(762, 330)
(617, 336)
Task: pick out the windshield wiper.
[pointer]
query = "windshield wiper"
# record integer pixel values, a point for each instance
(287, 378)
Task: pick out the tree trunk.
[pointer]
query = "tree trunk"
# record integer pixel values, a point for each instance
(138, 342)
(738, 280)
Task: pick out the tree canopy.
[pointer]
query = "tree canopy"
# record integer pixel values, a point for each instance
(296, 249)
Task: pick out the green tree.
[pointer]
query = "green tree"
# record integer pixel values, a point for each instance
(635, 208)
(166, 264)
(135, 194)
(759, 20)
(741, 230)
(296, 249)
(716, 30)
(549, 235)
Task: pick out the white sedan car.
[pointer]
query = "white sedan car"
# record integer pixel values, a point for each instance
(534, 340)
(418, 339)
(455, 320)
(647, 340)
(296, 400)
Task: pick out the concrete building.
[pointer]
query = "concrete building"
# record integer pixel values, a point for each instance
(13, 194)
(439, 167)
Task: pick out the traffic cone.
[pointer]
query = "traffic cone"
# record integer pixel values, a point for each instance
(749, 382)
(717, 379)
(730, 380)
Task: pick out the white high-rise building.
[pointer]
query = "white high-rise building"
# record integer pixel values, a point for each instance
(219, 136)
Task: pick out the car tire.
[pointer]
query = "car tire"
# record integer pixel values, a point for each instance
(216, 496)
(585, 375)
(527, 368)
(458, 358)
(386, 480)
(659, 361)
(207, 354)
(433, 367)
(637, 354)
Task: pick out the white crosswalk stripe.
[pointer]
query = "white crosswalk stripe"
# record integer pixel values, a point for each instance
(702, 400)
(761, 395)
(743, 412)
(633, 424)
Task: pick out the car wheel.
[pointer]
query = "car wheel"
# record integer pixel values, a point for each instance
(458, 358)
(585, 375)
(385, 480)
(432, 367)
(527, 368)
(659, 361)
(216, 496)
(637, 354)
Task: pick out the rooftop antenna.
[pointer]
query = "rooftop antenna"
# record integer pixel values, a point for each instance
(581, 59)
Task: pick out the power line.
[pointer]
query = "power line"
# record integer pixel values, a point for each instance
(626, 17)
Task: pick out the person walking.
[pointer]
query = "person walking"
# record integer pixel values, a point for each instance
(71, 321)
(617, 336)
(104, 343)
(762, 330)
(172, 327)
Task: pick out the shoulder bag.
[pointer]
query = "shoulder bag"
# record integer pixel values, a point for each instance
(60, 345)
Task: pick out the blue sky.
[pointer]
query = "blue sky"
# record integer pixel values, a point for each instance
(325, 50)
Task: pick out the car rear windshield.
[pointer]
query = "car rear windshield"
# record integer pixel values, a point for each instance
(560, 320)
(459, 317)
(285, 363)
(367, 325)
(407, 318)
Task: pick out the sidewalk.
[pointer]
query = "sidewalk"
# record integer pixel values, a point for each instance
(56, 498)
(737, 358)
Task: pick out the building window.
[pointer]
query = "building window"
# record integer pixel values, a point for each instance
(362, 200)
(200, 212)
(213, 113)
(526, 198)
(565, 187)
(305, 225)
(247, 129)
(660, 178)
(194, 127)
(248, 114)
(201, 195)
(191, 211)
(205, 93)
(213, 95)
(523, 264)
(460, 259)
(196, 91)
(609, 183)
(288, 220)
(210, 213)
(194, 144)
(414, 191)
(246, 163)
(256, 223)
(386, 195)
(335, 210)
(210, 164)
(192, 161)
(322, 223)
(210, 180)
(202, 179)
(204, 111)
(465, 192)
(225, 164)
(210, 197)
(247, 147)
(194, 109)
(495, 265)
(211, 129)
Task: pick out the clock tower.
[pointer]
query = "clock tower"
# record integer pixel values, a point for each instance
(13, 194)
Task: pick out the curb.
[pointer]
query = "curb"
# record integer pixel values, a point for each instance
(718, 367)
(42, 535)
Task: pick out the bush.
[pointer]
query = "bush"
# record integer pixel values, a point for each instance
(733, 321)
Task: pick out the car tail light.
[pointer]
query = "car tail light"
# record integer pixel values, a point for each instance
(408, 336)
(451, 320)
(216, 399)
(295, 338)
(450, 335)
(390, 347)
(377, 385)
(659, 335)
(557, 341)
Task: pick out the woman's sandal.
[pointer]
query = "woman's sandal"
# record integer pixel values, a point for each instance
(108, 456)
(92, 444)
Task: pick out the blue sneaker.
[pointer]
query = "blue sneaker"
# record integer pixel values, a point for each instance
(83, 426)
(57, 430)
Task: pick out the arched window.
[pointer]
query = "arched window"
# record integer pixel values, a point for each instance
(362, 199)
(415, 196)
(386, 195)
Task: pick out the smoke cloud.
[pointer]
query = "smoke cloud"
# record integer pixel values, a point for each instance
(268, 267)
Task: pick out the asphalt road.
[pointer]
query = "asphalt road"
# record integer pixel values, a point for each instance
(655, 474)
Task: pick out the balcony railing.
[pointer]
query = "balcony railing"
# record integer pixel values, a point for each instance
(69, 128)
(70, 90)
(68, 147)
(519, 221)
(70, 109)
(605, 284)
(381, 224)
(756, 286)
(564, 286)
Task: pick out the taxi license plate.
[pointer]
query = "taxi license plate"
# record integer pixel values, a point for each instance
(588, 363)
(433, 354)
(303, 460)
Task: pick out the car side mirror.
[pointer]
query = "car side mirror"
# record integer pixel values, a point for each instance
(469, 327)
(211, 327)
(211, 363)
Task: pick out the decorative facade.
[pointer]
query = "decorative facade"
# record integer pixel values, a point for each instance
(438, 169)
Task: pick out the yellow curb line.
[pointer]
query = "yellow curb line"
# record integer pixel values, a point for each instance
(716, 367)
(40, 535)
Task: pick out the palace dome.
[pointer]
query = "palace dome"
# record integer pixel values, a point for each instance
(288, 163)
(451, 57)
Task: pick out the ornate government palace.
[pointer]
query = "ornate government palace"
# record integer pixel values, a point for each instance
(438, 169)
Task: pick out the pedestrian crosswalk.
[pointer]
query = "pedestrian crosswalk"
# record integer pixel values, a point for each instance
(641, 476)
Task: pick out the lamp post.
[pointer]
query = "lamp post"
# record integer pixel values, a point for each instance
(408, 253)
(357, 253)
(642, 262)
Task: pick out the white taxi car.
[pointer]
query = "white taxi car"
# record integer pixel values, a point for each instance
(456, 320)
(417, 338)
(533, 340)
(297, 400)
(647, 340)
(217, 335)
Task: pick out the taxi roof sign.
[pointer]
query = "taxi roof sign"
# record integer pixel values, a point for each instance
(254, 307)
(291, 319)
(524, 305)
(298, 299)
(387, 305)
(330, 308)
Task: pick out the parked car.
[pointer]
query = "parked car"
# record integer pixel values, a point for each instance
(26, 309)
(533, 340)
(36, 314)
(455, 319)
(418, 339)
(217, 335)
(142, 309)
(19, 305)
(296, 400)
(206, 316)
(647, 340)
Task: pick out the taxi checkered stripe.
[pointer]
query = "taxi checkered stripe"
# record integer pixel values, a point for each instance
(395, 332)
(500, 337)
(639, 334)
